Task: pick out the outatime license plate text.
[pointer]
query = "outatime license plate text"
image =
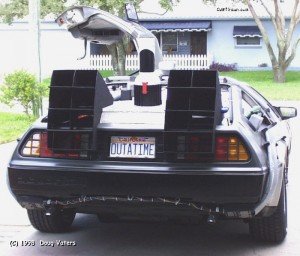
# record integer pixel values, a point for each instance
(132, 147)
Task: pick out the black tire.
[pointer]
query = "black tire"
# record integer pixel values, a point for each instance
(272, 228)
(57, 222)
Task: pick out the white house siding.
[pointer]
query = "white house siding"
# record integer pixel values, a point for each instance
(13, 48)
(221, 43)
(59, 49)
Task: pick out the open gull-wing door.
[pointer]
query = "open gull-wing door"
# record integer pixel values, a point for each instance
(104, 28)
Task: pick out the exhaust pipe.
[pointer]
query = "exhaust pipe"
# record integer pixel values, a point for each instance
(49, 208)
(211, 219)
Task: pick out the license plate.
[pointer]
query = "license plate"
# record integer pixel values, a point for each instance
(132, 147)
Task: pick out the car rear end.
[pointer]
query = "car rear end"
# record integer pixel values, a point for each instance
(142, 172)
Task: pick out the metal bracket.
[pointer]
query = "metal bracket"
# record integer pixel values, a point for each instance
(85, 46)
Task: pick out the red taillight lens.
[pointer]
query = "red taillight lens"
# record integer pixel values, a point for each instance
(230, 148)
(194, 143)
(221, 153)
(194, 148)
(46, 152)
(37, 146)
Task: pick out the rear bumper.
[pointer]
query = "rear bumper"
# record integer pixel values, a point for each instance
(224, 187)
(199, 188)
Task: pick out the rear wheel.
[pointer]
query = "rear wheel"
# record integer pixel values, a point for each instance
(272, 228)
(59, 221)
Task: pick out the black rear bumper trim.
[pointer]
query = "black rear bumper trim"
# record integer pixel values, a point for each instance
(198, 186)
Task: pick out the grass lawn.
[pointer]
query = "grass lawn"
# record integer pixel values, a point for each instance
(106, 73)
(13, 126)
(262, 81)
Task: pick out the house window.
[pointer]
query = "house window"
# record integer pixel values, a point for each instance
(169, 42)
(248, 41)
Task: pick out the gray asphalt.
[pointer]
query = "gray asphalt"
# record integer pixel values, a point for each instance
(94, 238)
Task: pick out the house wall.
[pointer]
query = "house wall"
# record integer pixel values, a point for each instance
(221, 44)
(59, 50)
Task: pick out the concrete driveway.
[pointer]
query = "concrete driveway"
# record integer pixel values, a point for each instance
(94, 238)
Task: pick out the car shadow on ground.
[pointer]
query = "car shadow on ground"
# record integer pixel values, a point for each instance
(148, 238)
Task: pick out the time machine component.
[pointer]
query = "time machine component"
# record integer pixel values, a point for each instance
(76, 100)
(147, 87)
(193, 109)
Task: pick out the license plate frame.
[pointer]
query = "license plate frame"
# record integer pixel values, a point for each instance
(133, 147)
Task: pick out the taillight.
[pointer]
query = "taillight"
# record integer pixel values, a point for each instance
(198, 148)
(37, 146)
(32, 146)
(230, 148)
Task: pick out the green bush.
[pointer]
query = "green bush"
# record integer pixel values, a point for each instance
(21, 86)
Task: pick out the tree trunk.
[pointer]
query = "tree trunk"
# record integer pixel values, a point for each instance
(114, 57)
(118, 54)
(283, 36)
(35, 107)
(279, 74)
(118, 58)
(121, 58)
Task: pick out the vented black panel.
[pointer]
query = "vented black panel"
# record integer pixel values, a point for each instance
(189, 120)
(180, 78)
(193, 109)
(193, 101)
(75, 106)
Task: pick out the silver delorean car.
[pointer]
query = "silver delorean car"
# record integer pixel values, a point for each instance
(163, 143)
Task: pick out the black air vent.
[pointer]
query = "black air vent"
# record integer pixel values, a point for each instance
(75, 106)
(193, 101)
(193, 108)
